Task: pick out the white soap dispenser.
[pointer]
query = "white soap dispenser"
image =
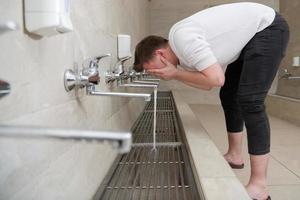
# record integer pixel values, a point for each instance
(47, 17)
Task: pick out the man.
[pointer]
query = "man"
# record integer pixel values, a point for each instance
(249, 39)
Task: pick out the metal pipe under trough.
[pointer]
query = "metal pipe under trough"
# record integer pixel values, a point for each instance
(119, 140)
(147, 97)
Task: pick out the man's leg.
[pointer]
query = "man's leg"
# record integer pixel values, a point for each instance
(234, 154)
(261, 61)
(257, 186)
(233, 116)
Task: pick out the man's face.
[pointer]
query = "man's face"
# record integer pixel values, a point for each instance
(154, 63)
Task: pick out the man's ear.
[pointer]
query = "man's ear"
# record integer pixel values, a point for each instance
(159, 52)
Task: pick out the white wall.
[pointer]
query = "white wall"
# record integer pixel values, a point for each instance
(48, 169)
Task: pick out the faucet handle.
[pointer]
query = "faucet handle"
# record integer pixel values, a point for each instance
(122, 60)
(98, 58)
(4, 88)
(93, 62)
(8, 26)
(284, 73)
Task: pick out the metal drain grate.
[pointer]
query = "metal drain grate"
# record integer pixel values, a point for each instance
(143, 174)
(163, 104)
(164, 94)
(165, 128)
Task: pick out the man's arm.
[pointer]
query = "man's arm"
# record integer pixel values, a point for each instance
(212, 76)
(197, 86)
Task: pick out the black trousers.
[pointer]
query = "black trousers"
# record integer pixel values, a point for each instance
(247, 82)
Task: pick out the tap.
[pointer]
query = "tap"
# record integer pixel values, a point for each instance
(118, 74)
(135, 78)
(90, 90)
(119, 68)
(88, 75)
(4, 88)
(120, 140)
(131, 75)
(142, 76)
(287, 75)
(91, 73)
(8, 26)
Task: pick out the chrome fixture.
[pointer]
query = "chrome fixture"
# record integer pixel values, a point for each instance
(4, 88)
(5, 27)
(118, 74)
(119, 68)
(119, 140)
(92, 70)
(287, 75)
(146, 82)
(88, 75)
(141, 76)
(92, 91)
(137, 85)
(8, 26)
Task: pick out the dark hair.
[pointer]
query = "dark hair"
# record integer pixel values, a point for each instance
(144, 50)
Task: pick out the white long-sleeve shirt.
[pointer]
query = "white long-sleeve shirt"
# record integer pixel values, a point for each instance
(218, 34)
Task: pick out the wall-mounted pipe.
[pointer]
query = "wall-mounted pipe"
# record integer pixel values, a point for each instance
(120, 140)
(91, 91)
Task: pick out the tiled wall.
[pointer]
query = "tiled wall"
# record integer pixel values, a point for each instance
(48, 169)
(290, 10)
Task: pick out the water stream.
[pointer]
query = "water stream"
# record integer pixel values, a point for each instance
(154, 118)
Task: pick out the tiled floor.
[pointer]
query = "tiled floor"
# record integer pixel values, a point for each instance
(284, 166)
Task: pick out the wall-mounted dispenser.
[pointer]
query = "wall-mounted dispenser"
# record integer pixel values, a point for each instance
(48, 17)
(124, 45)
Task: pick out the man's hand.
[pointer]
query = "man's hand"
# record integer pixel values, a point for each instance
(167, 73)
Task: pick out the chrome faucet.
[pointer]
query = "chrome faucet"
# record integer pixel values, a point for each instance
(287, 75)
(119, 68)
(5, 27)
(118, 74)
(120, 140)
(141, 78)
(91, 72)
(8, 26)
(4, 88)
(89, 77)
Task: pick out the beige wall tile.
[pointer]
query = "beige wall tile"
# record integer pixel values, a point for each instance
(47, 169)
(291, 88)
